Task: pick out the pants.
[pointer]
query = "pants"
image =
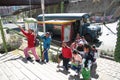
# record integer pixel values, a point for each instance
(76, 68)
(93, 70)
(46, 55)
(65, 62)
(33, 52)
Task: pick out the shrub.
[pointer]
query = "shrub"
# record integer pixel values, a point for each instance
(54, 57)
(117, 48)
(12, 44)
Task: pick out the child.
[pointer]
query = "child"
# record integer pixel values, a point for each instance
(31, 44)
(88, 57)
(76, 61)
(46, 45)
(66, 55)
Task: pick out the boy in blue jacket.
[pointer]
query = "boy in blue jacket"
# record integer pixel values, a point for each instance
(46, 45)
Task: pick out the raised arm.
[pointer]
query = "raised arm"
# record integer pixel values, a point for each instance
(22, 30)
(20, 27)
(42, 36)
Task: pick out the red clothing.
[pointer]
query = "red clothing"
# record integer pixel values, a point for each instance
(66, 52)
(30, 37)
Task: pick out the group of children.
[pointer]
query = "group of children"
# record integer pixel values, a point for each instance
(79, 55)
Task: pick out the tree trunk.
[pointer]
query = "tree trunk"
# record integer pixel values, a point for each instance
(2, 34)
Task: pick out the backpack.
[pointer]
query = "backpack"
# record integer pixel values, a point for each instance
(37, 43)
(85, 73)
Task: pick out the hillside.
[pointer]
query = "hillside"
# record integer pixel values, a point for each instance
(101, 8)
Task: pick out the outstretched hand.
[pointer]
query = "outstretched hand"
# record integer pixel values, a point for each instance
(20, 27)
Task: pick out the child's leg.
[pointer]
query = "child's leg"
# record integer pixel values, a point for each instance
(65, 63)
(93, 70)
(46, 55)
(79, 70)
(26, 52)
(34, 53)
(89, 64)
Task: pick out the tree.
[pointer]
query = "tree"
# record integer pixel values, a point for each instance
(117, 49)
(2, 34)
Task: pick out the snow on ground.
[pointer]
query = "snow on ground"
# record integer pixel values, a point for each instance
(108, 38)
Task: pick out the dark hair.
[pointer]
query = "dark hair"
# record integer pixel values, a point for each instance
(83, 37)
(93, 46)
(75, 52)
(87, 46)
(31, 30)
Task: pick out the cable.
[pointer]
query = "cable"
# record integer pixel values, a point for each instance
(108, 28)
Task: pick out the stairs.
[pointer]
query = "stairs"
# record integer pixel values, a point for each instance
(16, 67)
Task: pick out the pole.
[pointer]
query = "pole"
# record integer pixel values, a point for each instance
(2, 34)
(43, 8)
(44, 28)
(30, 8)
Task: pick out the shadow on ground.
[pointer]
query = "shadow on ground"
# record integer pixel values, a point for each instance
(75, 77)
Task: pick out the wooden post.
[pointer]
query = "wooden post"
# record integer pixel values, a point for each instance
(3, 37)
(41, 51)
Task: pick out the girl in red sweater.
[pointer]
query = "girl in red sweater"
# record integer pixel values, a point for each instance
(31, 44)
(66, 55)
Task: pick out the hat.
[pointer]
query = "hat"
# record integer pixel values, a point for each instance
(47, 32)
(81, 42)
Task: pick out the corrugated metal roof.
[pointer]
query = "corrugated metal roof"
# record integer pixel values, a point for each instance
(26, 2)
